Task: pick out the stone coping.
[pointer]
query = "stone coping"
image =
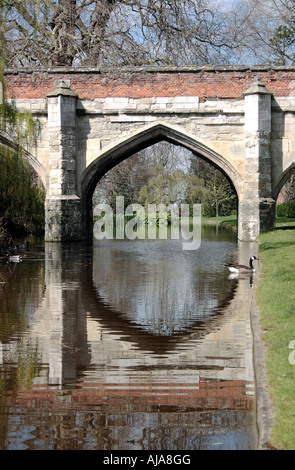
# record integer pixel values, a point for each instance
(153, 69)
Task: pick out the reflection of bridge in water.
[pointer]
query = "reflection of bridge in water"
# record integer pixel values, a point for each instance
(104, 365)
(76, 330)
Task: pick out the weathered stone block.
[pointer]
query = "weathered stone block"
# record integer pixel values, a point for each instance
(63, 219)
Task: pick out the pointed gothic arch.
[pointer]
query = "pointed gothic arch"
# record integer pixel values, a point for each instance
(135, 142)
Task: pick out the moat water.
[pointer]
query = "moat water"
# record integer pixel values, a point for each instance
(127, 345)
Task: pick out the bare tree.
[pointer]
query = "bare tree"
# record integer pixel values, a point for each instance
(289, 189)
(270, 27)
(120, 32)
(125, 179)
(283, 41)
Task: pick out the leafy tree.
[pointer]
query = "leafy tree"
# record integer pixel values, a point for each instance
(165, 188)
(196, 190)
(21, 201)
(167, 178)
(220, 193)
(215, 191)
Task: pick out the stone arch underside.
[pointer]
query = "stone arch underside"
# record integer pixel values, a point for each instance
(283, 179)
(134, 143)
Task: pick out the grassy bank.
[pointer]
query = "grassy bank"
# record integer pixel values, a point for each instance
(285, 222)
(281, 222)
(230, 220)
(276, 300)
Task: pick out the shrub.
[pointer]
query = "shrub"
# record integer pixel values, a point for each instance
(286, 209)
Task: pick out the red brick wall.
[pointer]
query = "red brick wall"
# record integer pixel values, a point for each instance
(205, 82)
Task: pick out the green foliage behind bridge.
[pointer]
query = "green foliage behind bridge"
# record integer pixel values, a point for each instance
(21, 197)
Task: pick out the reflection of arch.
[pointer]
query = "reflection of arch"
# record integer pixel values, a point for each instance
(116, 321)
(140, 140)
(283, 179)
(135, 334)
(5, 141)
(69, 267)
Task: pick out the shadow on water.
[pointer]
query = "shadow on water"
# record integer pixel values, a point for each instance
(127, 345)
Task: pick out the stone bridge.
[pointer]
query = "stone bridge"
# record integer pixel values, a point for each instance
(240, 119)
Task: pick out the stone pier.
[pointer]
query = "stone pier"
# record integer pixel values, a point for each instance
(62, 206)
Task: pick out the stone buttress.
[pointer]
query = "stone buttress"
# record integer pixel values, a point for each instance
(62, 205)
(256, 206)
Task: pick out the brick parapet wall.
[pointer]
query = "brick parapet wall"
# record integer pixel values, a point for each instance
(204, 82)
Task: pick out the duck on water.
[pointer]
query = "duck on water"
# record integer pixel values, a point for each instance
(241, 268)
(14, 258)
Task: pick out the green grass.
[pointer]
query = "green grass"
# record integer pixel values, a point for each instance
(276, 300)
(285, 222)
(231, 220)
(227, 220)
